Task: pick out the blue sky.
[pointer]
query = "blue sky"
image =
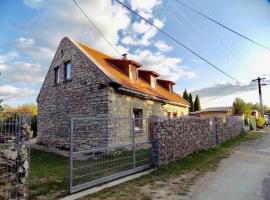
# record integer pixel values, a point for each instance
(31, 30)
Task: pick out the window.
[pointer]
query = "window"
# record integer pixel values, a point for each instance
(67, 71)
(56, 75)
(174, 115)
(138, 115)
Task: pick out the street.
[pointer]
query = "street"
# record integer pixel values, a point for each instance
(243, 176)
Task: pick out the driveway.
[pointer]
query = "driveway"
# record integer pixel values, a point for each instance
(243, 176)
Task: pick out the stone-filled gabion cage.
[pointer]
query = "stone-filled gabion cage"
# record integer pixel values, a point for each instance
(14, 155)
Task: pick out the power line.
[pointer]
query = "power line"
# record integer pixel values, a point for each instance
(97, 29)
(197, 29)
(222, 25)
(178, 42)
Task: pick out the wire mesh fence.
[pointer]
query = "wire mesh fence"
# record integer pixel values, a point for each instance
(14, 155)
(104, 149)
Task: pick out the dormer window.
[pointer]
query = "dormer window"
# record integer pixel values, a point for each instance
(133, 74)
(67, 71)
(56, 75)
(149, 76)
(166, 84)
(153, 82)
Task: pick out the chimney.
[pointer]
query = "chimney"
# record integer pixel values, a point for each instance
(124, 56)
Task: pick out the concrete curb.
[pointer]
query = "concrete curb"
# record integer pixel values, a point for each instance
(106, 185)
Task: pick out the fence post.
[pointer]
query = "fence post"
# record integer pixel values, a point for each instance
(133, 141)
(216, 131)
(71, 155)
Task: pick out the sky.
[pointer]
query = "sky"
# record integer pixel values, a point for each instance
(31, 30)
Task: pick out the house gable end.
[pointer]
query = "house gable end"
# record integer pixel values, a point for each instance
(65, 52)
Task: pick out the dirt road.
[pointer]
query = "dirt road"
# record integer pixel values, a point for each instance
(243, 176)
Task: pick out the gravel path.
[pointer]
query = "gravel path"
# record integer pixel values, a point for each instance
(243, 176)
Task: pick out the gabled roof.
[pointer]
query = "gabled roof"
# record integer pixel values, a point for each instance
(155, 74)
(216, 109)
(103, 62)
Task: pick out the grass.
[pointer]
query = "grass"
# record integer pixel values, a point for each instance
(100, 165)
(48, 174)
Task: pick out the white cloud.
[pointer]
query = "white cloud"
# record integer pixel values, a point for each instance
(145, 8)
(29, 47)
(140, 27)
(62, 18)
(33, 3)
(162, 46)
(143, 34)
(168, 67)
(22, 72)
(8, 92)
(7, 57)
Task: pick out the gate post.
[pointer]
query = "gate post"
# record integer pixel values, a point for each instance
(133, 141)
(71, 155)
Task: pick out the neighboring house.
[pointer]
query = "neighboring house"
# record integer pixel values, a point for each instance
(82, 82)
(214, 112)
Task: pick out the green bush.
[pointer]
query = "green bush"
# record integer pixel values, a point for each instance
(246, 121)
(260, 121)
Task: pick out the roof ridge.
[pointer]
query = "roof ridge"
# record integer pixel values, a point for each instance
(100, 60)
(92, 49)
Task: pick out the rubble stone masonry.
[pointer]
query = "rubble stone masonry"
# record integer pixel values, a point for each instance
(177, 138)
(86, 94)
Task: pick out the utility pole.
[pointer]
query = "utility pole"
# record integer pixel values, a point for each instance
(260, 84)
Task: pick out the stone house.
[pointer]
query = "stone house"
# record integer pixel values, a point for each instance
(82, 82)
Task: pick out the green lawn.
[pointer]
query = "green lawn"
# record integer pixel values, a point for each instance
(48, 175)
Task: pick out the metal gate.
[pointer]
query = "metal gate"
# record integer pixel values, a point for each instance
(105, 149)
(14, 155)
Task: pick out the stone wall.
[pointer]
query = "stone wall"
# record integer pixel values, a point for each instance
(86, 94)
(121, 104)
(14, 164)
(177, 138)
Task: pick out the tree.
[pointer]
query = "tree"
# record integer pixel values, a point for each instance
(185, 95)
(190, 100)
(197, 104)
(1, 107)
(27, 108)
(241, 107)
(256, 106)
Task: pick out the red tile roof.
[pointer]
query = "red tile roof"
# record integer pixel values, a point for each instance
(103, 62)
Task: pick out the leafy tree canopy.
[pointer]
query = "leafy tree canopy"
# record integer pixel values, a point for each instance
(241, 107)
(27, 107)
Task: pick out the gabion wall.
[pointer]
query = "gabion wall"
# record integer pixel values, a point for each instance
(177, 138)
(14, 156)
